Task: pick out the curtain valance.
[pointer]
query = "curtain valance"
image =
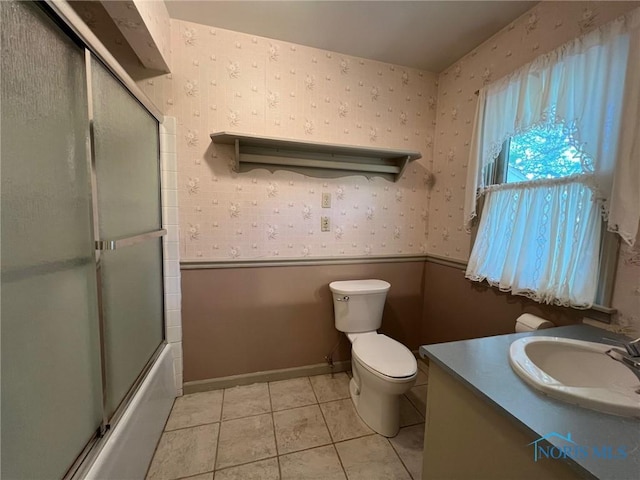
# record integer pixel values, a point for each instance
(589, 86)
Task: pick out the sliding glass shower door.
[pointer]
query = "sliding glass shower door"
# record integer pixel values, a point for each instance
(126, 150)
(51, 381)
(81, 249)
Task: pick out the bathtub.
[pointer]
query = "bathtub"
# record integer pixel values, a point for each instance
(128, 448)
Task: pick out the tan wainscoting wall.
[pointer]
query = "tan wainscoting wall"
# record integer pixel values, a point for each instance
(256, 319)
(458, 309)
(243, 320)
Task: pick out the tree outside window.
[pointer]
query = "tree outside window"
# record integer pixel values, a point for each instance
(543, 152)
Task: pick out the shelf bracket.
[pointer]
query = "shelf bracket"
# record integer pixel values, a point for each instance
(403, 165)
(236, 166)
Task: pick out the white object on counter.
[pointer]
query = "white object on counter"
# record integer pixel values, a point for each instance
(528, 323)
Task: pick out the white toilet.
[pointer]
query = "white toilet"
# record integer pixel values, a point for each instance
(383, 369)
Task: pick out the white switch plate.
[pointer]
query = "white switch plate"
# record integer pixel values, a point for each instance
(325, 224)
(326, 200)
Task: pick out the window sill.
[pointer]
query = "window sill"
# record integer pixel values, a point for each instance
(600, 313)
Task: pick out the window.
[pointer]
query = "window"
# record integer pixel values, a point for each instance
(544, 223)
(551, 153)
(566, 177)
(541, 153)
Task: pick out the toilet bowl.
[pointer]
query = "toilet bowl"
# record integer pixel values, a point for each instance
(383, 369)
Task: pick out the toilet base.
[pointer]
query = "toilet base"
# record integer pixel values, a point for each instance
(378, 414)
(377, 401)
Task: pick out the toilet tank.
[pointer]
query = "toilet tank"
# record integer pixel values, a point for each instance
(358, 304)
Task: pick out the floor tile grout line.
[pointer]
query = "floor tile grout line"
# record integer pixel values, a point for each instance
(273, 426)
(412, 424)
(222, 407)
(315, 395)
(333, 376)
(192, 426)
(194, 475)
(155, 450)
(278, 454)
(319, 402)
(215, 459)
(279, 467)
(324, 419)
(333, 444)
(246, 416)
(326, 425)
(243, 464)
(298, 406)
(357, 438)
(346, 372)
(344, 470)
(262, 413)
(400, 457)
(348, 440)
(287, 380)
(306, 449)
(255, 415)
(415, 408)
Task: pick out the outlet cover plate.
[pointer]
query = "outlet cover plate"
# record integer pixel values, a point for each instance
(326, 200)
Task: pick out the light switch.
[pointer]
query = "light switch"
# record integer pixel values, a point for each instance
(326, 200)
(325, 224)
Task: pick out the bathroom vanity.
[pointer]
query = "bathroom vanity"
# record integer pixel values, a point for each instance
(484, 422)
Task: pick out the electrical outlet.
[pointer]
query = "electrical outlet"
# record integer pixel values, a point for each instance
(326, 200)
(325, 224)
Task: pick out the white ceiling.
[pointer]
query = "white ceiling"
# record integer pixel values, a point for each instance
(429, 35)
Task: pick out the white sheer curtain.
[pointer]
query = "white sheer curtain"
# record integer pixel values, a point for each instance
(591, 87)
(542, 238)
(540, 241)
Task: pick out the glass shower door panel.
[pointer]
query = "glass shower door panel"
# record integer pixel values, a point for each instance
(126, 150)
(51, 377)
(133, 310)
(127, 159)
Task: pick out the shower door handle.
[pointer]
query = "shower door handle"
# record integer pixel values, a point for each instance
(103, 245)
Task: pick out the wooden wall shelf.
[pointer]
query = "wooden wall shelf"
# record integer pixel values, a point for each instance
(314, 158)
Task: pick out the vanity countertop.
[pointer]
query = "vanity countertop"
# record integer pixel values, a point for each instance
(482, 364)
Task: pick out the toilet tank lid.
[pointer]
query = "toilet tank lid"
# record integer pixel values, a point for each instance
(359, 287)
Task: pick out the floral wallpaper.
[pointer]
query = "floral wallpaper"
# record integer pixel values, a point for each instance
(541, 29)
(228, 81)
(224, 80)
(626, 295)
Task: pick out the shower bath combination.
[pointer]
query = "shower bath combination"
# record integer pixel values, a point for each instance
(82, 251)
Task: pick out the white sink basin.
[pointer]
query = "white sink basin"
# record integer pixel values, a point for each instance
(577, 372)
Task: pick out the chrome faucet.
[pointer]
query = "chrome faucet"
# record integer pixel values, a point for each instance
(632, 347)
(633, 363)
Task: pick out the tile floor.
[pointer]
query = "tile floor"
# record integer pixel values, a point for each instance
(304, 428)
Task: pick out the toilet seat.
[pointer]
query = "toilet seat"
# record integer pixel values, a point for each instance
(385, 356)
